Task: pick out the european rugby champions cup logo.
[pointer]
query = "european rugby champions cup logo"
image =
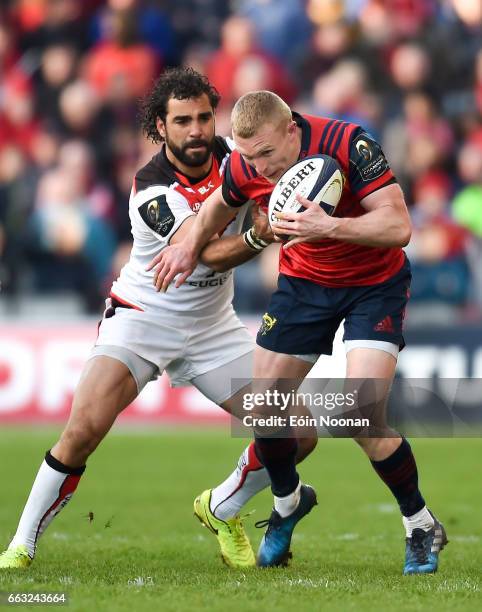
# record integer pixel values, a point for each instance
(267, 324)
(153, 211)
(363, 149)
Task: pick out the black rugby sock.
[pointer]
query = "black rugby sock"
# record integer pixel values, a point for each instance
(399, 473)
(278, 455)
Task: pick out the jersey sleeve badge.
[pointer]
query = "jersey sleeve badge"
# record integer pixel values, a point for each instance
(368, 158)
(157, 215)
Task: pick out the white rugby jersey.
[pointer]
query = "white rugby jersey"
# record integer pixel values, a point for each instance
(161, 199)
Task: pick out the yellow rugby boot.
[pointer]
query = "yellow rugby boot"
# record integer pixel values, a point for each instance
(235, 547)
(15, 558)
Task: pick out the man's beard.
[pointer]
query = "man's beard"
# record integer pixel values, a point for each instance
(189, 157)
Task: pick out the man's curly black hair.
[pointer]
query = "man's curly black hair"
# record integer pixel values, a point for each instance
(179, 83)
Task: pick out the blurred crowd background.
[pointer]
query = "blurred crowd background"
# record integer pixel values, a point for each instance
(72, 72)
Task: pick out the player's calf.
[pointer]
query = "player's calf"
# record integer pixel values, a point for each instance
(77, 443)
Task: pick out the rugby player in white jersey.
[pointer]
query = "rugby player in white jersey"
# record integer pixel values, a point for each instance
(193, 333)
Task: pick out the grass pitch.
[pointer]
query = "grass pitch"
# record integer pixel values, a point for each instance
(144, 550)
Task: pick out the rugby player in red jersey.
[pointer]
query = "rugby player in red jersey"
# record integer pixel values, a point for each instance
(193, 334)
(347, 266)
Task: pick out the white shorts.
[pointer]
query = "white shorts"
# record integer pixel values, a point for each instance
(185, 346)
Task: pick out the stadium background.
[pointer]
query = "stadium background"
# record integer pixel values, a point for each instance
(410, 71)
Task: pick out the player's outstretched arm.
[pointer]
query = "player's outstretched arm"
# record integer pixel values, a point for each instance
(222, 254)
(182, 254)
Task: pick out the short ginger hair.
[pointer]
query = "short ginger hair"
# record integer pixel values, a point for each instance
(255, 109)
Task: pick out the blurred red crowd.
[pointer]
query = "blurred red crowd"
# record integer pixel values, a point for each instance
(71, 75)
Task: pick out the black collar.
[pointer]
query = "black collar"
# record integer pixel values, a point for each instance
(302, 123)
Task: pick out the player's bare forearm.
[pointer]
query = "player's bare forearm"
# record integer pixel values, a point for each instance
(383, 227)
(214, 215)
(385, 224)
(223, 254)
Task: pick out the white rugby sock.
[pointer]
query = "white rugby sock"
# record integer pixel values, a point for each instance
(420, 520)
(51, 491)
(285, 506)
(248, 478)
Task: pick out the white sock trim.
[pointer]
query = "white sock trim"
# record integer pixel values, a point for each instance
(285, 506)
(420, 520)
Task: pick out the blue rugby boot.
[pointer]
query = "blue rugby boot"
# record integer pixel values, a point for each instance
(274, 549)
(423, 548)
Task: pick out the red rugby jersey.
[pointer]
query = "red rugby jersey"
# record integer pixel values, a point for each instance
(332, 263)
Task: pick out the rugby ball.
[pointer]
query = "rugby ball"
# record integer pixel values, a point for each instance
(318, 178)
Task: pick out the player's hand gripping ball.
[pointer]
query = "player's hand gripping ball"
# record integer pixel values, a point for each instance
(317, 178)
